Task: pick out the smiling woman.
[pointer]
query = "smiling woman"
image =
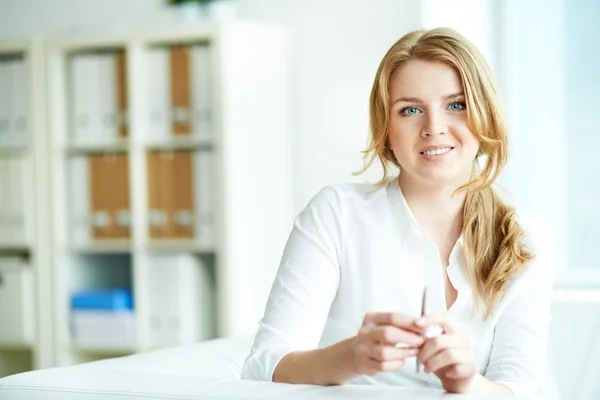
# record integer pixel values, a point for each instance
(347, 299)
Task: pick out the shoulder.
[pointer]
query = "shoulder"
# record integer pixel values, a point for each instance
(349, 193)
(538, 234)
(348, 201)
(539, 240)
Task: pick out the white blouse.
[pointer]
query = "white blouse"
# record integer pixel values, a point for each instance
(354, 250)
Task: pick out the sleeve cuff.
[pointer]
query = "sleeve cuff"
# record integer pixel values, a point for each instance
(519, 389)
(260, 365)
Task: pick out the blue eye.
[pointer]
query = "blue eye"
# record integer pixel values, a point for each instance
(457, 106)
(409, 111)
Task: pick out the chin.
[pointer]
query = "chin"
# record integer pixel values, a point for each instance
(440, 179)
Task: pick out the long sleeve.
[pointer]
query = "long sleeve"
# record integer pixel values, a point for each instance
(303, 290)
(518, 357)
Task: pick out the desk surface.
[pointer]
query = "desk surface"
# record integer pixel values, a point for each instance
(95, 383)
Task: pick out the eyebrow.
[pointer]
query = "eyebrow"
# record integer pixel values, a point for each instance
(419, 101)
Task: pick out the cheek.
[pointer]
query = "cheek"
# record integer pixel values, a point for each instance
(403, 132)
(469, 142)
(472, 145)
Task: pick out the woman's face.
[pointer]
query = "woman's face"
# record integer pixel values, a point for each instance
(428, 130)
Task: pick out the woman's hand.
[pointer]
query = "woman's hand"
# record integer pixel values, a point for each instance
(375, 348)
(449, 356)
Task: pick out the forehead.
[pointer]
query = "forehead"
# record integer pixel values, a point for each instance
(424, 79)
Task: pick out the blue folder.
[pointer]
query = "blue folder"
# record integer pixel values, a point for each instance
(103, 300)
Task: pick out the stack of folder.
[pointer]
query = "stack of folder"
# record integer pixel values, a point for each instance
(179, 92)
(109, 178)
(180, 190)
(99, 204)
(103, 318)
(180, 183)
(180, 300)
(15, 223)
(181, 195)
(98, 97)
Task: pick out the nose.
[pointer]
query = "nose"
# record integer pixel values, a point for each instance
(435, 124)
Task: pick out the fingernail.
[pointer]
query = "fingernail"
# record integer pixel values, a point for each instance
(426, 369)
(419, 340)
(421, 322)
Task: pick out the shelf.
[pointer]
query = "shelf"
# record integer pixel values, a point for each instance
(201, 142)
(179, 245)
(102, 247)
(91, 43)
(104, 350)
(83, 149)
(14, 248)
(13, 150)
(16, 47)
(20, 346)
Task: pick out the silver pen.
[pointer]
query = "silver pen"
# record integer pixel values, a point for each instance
(423, 304)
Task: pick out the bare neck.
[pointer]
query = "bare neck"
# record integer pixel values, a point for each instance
(437, 208)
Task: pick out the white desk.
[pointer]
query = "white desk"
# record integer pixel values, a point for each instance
(208, 370)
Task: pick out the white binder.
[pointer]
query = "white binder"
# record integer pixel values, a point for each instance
(19, 100)
(159, 98)
(204, 196)
(5, 94)
(4, 200)
(84, 99)
(107, 122)
(180, 300)
(201, 81)
(17, 302)
(79, 77)
(19, 200)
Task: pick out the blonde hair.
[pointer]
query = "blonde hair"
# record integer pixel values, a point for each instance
(493, 250)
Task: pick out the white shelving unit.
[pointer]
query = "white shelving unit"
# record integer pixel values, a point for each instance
(250, 174)
(25, 235)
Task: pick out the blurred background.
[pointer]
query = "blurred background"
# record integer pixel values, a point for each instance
(154, 153)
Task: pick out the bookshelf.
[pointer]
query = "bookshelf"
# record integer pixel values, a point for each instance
(26, 341)
(169, 167)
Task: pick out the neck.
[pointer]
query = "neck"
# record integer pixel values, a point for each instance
(437, 207)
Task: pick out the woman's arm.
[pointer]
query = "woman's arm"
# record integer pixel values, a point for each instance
(331, 365)
(303, 290)
(481, 385)
(371, 351)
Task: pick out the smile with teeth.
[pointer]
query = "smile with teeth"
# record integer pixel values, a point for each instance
(437, 151)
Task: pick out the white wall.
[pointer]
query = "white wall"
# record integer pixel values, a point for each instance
(582, 85)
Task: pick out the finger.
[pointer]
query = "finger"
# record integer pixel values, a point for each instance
(395, 319)
(445, 358)
(431, 347)
(458, 371)
(442, 319)
(387, 334)
(372, 367)
(390, 353)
